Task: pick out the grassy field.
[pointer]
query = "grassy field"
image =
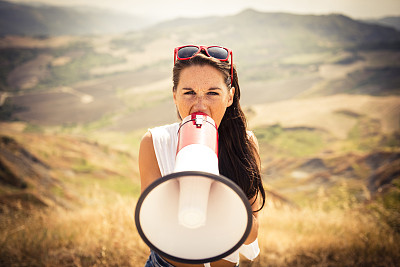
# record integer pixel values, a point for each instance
(103, 234)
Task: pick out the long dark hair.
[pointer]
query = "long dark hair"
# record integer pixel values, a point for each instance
(238, 155)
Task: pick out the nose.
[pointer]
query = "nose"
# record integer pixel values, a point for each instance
(200, 105)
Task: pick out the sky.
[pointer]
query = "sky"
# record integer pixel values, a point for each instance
(167, 9)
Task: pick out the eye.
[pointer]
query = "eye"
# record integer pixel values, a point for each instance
(213, 93)
(189, 93)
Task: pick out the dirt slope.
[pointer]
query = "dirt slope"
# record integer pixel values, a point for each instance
(336, 114)
(46, 170)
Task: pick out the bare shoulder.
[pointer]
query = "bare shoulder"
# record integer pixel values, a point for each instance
(148, 165)
(252, 137)
(147, 141)
(146, 151)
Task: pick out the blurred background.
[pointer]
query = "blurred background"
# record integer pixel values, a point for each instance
(82, 81)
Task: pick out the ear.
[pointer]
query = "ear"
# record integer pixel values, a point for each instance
(231, 95)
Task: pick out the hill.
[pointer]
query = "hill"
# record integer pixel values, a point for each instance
(388, 21)
(43, 20)
(279, 31)
(113, 82)
(336, 114)
(39, 170)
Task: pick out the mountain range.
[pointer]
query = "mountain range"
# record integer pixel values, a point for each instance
(387, 21)
(279, 56)
(44, 20)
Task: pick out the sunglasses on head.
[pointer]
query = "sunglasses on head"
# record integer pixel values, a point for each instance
(189, 51)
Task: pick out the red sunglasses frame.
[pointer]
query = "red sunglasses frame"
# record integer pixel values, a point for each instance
(205, 48)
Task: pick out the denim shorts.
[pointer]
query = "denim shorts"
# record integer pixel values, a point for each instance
(155, 260)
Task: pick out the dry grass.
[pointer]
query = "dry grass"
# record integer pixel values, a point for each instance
(100, 234)
(103, 234)
(313, 237)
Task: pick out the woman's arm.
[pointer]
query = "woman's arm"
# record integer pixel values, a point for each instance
(254, 228)
(254, 201)
(148, 165)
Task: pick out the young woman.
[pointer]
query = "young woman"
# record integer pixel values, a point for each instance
(204, 80)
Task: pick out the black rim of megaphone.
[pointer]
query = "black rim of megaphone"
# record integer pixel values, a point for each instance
(219, 178)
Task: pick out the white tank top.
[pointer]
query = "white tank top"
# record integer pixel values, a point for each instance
(165, 141)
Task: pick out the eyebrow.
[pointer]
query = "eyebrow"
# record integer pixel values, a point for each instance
(211, 88)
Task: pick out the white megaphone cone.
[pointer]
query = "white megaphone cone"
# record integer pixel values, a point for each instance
(194, 215)
(195, 152)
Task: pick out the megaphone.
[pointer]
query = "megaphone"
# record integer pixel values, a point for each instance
(194, 215)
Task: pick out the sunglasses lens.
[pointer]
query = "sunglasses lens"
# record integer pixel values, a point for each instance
(218, 52)
(187, 51)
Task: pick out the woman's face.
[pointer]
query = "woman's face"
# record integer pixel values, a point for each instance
(203, 89)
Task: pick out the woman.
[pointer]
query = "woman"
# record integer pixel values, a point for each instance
(205, 81)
